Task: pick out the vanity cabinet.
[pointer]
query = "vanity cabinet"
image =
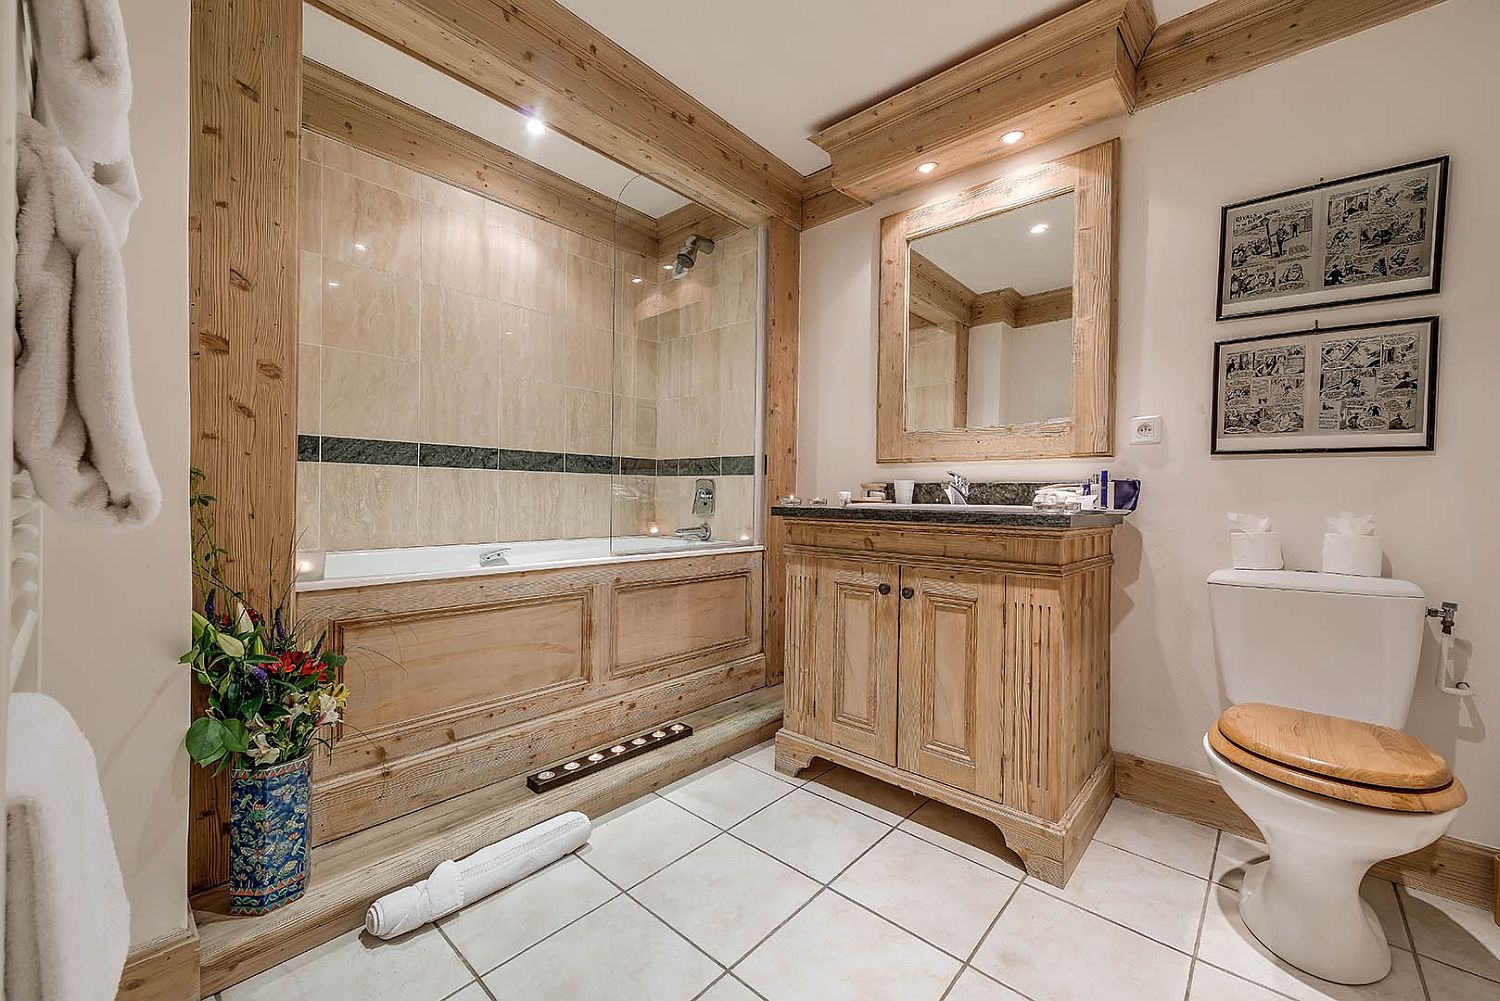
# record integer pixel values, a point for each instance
(969, 664)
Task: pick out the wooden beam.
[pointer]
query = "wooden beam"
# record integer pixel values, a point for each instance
(999, 306)
(822, 202)
(352, 112)
(538, 57)
(1044, 307)
(1072, 71)
(676, 226)
(782, 284)
(1230, 37)
(242, 241)
(164, 970)
(943, 296)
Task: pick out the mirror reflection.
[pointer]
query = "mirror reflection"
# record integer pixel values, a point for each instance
(990, 325)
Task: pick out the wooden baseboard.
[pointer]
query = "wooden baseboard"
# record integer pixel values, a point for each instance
(164, 970)
(1459, 870)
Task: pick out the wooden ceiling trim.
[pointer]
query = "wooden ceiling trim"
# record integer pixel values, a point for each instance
(1044, 307)
(538, 57)
(822, 202)
(679, 224)
(352, 112)
(945, 297)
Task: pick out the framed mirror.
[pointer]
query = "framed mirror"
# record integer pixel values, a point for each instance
(997, 318)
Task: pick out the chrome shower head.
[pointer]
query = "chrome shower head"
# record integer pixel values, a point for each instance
(687, 257)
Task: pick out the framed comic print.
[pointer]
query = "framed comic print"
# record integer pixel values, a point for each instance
(1370, 387)
(1354, 239)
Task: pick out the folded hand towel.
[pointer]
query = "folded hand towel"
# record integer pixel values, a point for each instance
(76, 426)
(83, 94)
(67, 921)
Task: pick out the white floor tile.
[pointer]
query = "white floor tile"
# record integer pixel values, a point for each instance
(1213, 984)
(1050, 950)
(763, 758)
(811, 834)
(728, 989)
(869, 796)
(619, 952)
(1169, 840)
(1444, 983)
(1153, 899)
(1457, 934)
(727, 792)
(631, 843)
(1234, 856)
(473, 992)
(975, 838)
(725, 896)
(975, 986)
(938, 896)
(1380, 894)
(494, 929)
(833, 950)
(416, 967)
(1228, 944)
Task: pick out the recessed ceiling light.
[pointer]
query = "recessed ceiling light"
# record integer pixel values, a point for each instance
(1012, 137)
(1039, 229)
(637, 280)
(927, 168)
(536, 126)
(666, 267)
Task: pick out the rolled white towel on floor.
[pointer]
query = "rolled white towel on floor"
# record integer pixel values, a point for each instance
(454, 884)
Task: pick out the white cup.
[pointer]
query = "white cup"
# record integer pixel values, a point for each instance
(904, 490)
(845, 496)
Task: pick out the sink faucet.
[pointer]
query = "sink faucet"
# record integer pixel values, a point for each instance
(957, 488)
(700, 532)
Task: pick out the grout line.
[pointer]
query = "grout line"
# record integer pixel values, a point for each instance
(467, 965)
(968, 963)
(555, 931)
(1411, 940)
(1208, 891)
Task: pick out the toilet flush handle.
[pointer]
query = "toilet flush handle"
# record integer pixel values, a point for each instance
(1447, 614)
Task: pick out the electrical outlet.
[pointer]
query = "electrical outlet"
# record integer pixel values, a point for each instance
(1145, 430)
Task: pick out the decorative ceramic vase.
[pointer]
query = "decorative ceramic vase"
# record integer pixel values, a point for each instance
(268, 834)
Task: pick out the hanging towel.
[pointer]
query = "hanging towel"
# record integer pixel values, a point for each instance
(83, 94)
(67, 922)
(76, 426)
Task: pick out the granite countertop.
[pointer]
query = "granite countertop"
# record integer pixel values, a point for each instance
(955, 514)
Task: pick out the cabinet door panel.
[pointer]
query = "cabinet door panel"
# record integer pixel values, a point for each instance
(951, 644)
(855, 666)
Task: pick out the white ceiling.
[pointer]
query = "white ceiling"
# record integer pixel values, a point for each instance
(780, 70)
(1000, 251)
(333, 43)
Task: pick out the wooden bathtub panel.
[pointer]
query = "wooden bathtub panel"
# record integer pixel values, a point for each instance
(679, 625)
(408, 667)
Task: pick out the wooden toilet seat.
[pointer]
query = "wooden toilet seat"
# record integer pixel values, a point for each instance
(1338, 758)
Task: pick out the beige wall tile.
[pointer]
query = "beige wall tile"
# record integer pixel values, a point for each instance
(309, 535)
(590, 357)
(310, 299)
(533, 347)
(632, 505)
(369, 310)
(452, 198)
(312, 146)
(587, 247)
(358, 214)
(735, 293)
(734, 509)
(589, 422)
(537, 230)
(460, 406)
(310, 206)
(457, 506)
(737, 423)
(371, 168)
(530, 274)
(309, 389)
(460, 251)
(459, 329)
(533, 416)
(537, 505)
(369, 396)
(368, 507)
(737, 356)
(589, 293)
(594, 495)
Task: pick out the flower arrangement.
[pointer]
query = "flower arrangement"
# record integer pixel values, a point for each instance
(272, 693)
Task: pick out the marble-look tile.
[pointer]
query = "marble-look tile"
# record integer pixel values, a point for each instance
(452, 198)
(588, 295)
(459, 252)
(375, 169)
(1169, 840)
(457, 505)
(533, 416)
(833, 950)
(1457, 934)
(309, 534)
(369, 396)
(1153, 899)
(459, 456)
(975, 986)
(470, 992)
(310, 146)
(1445, 983)
(309, 206)
(368, 451)
(536, 505)
(863, 794)
(725, 896)
(459, 329)
(811, 834)
(533, 347)
(491, 931)
(416, 967)
(369, 310)
(590, 357)
(763, 757)
(631, 843)
(728, 989)
(310, 298)
(1212, 984)
(597, 251)
(1038, 948)
(972, 837)
(309, 389)
(534, 228)
(734, 296)
(529, 274)
(593, 505)
(618, 951)
(459, 406)
(932, 893)
(385, 223)
(589, 421)
(726, 792)
(737, 422)
(368, 507)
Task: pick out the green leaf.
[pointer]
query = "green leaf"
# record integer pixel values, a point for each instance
(236, 737)
(230, 645)
(205, 740)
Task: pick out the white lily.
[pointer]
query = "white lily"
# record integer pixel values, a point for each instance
(242, 623)
(328, 709)
(261, 752)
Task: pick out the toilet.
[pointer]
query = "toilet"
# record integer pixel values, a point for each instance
(1319, 670)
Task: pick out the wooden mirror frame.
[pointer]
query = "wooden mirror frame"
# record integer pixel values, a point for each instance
(1091, 175)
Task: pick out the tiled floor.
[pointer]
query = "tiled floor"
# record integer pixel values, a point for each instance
(738, 884)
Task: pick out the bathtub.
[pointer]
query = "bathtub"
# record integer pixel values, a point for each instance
(358, 568)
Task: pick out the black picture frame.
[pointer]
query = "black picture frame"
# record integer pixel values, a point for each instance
(1377, 442)
(1439, 198)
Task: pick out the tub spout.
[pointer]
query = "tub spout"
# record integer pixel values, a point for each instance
(495, 557)
(700, 532)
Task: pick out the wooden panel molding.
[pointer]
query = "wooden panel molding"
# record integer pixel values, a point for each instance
(165, 970)
(352, 112)
(242, 249)
(539, 57)
(783, 281)
(684, 623)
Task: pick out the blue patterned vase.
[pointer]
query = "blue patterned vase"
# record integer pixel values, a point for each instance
(268, 833)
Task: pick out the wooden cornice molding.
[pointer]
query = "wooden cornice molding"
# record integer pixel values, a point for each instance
(822, 202)
(935, 295)
(538, 57)
(676, 226)
(353, 112)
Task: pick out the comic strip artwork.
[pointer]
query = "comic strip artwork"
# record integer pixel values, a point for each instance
(1339, 389)
(1374, 236)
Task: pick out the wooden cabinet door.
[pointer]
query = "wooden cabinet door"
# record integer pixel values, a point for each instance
(952, 628)
(854, 667)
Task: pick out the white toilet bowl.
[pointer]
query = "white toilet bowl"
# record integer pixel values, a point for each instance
(1304, 903)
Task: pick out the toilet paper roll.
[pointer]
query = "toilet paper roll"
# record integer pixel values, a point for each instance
(1255, 550)
(1355, 555)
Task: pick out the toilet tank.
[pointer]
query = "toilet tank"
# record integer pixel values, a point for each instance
(1328, 643)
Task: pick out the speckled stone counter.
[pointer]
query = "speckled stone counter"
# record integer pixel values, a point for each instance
(952, 515)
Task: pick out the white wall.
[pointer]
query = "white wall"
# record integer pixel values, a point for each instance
(1419, 86)
(116, 606)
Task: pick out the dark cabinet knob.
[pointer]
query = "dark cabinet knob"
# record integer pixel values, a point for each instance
(885, 589)
(907, 592)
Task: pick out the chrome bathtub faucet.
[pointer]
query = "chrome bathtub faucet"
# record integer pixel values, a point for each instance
(700, 532)
(495, 557)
